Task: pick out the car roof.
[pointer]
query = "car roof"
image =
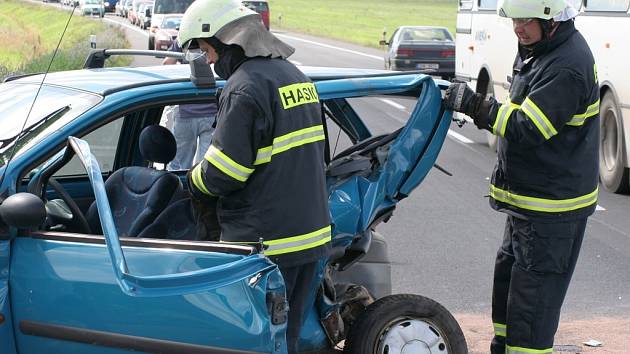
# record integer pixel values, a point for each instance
(100, 81)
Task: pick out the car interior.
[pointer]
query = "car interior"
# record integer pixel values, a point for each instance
(149, 201)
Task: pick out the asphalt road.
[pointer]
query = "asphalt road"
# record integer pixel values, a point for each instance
(443, 238)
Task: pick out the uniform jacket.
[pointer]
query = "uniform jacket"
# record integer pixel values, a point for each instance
(266, 163)
(547, 165)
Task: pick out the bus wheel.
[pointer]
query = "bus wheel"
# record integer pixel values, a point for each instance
(405, 323)
(615, 177)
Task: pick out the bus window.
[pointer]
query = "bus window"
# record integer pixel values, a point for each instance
(487, 4)
(465, 4)
(607, 5)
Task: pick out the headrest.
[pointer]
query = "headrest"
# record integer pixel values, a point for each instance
(157, 144)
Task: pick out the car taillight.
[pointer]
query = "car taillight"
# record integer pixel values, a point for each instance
(265, 18)
(404, 52)
(448, 53)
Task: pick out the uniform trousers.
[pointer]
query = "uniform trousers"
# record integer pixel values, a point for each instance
(533, 269)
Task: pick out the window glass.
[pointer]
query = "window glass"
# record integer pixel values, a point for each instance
(193, 126)
(465, 4)
(607, 5)
(103, 143)
(488, 4)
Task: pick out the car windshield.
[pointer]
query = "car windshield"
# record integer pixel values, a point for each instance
(15, 102)
(171, 22)
(425, 34)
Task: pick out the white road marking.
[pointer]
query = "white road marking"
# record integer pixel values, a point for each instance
(459, 137)
(394, 104)
(330, 46)
(600, 208)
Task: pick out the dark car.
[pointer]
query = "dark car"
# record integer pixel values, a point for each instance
(260, 6)
(430, 49)
(167, 32)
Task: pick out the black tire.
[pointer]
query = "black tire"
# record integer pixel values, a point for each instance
(614, 176)
(385, 318)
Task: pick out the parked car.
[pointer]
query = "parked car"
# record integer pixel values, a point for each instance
(134, 15)
(425, 48)
(126, 7)
(110, 5)
(92, 268)
(260, 6)
(92, 8)
(144, 15)
(167, 31)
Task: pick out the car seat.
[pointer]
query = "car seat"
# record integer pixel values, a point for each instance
(137, 195)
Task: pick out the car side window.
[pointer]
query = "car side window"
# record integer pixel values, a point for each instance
(103, 143)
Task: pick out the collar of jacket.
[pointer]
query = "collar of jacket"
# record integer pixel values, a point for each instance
(565, 30)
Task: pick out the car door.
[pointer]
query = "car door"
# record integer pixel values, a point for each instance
(80, 293)
(367, 180)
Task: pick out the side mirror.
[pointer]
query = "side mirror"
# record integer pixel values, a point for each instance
(23, 210)
(383, 42)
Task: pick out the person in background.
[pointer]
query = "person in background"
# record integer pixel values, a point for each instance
(193, 125)
(546, 177)
(265, 166)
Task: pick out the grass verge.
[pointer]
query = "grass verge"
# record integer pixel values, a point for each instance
(30, 33)
(360, 21)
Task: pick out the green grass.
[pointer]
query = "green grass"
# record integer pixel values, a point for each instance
(29, 34)
(360, 21)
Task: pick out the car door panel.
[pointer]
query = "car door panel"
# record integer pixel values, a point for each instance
(56, 280)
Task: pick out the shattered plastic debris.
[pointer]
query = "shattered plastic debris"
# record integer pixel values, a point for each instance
(593, 343)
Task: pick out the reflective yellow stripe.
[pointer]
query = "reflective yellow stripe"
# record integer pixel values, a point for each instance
(289, 141)
(539, 118)
(499, 329)
(299, 242)
(544, 205)
(505, 111)
(198, 180)
(521, 350)
(298, 94)
(228, 166)
(579, 119)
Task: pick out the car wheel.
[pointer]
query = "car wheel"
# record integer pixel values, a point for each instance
(405, 323)
(612, 173)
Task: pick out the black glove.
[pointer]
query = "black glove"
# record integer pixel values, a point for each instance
(204, 211)
(460, 98)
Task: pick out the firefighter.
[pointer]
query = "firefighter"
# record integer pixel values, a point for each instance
(546, 175)
(265, 166)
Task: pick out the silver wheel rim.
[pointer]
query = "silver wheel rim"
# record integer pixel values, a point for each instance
(609, 140)
(411, 336)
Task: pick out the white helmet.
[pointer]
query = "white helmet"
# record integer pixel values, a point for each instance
(542, 9)
(230, 22)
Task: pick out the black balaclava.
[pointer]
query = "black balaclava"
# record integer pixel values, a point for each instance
(549, 39)
(230, 57)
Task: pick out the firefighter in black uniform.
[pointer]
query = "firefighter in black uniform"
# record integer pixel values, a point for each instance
(266, 162)
(546, 175)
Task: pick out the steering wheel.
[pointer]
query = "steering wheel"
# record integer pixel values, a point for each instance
(78, 220)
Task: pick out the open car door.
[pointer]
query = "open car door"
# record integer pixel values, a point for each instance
(368, 180)
(78, 293)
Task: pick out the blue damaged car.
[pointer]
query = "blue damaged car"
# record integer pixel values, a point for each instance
(98, 252)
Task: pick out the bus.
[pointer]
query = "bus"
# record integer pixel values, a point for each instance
(485, 47)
